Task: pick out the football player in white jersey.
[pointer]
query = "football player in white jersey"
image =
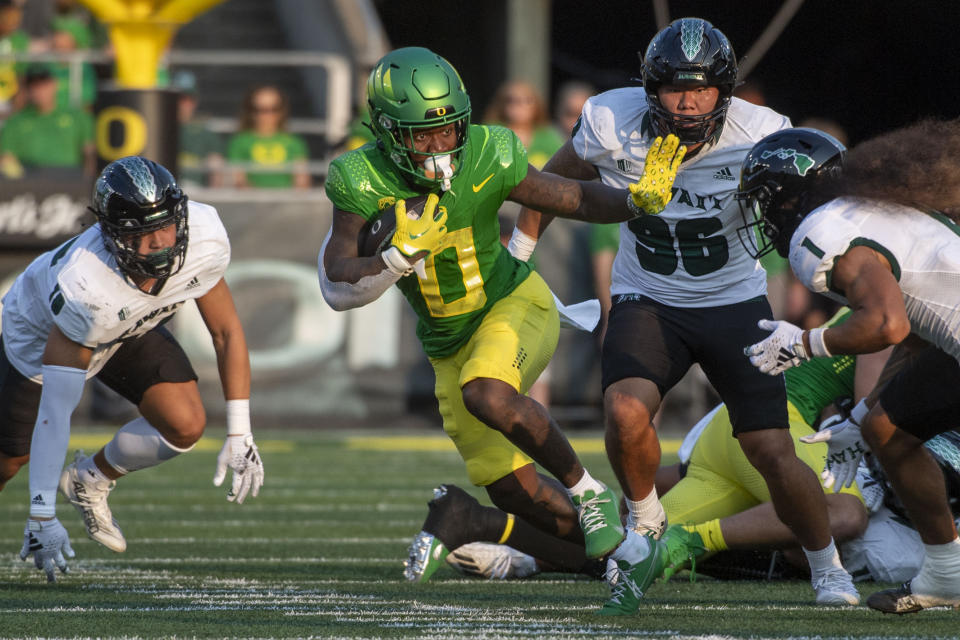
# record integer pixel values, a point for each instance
(873, 236)
(95, 306)
(684, 291)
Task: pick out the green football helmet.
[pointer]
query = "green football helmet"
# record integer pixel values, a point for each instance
(414, 88)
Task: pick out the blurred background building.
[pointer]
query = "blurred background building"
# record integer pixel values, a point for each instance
(267, 91)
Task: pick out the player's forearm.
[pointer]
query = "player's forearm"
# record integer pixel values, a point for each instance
(533, 222)
(233, 364)
(864, 332)
(351, 269)
(574, 199)
(352, 285)
(601, 203)
(62, 388)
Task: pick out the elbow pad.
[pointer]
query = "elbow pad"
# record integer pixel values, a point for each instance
(342, 296)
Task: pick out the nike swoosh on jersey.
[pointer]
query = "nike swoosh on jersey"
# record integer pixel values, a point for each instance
(477, 187)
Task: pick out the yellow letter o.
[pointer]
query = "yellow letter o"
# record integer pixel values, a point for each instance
(134, 133)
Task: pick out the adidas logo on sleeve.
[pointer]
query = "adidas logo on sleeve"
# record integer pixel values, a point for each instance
(724, 174)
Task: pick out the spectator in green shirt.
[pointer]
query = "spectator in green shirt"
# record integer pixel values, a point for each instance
(70, 35)
(200, 157)
(43, 134)
(12, 40)
(518, 106)
(262, 141)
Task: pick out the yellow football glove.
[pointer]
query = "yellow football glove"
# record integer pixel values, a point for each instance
(654, 190)
(414, 236)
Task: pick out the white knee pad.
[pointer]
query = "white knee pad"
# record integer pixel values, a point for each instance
(138, 445)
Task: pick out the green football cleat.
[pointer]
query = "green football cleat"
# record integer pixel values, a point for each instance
(630, 581)
(600, 521)
(683, 546)
(425, 555)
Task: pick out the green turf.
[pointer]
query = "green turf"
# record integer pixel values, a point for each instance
(319, 554)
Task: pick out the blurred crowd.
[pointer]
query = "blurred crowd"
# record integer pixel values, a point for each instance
(46, 123)
(46, 108)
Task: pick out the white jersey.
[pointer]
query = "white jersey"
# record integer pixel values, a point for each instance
(689, 255)
(79, 288)
(923, 250)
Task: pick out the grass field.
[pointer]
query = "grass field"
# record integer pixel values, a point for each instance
(318, 555)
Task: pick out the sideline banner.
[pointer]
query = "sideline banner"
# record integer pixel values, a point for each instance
(43, 209)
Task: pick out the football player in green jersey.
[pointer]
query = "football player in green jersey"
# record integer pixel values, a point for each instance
(486, 320)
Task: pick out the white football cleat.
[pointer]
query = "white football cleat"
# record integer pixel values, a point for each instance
(492, 561)
(835, 587)
(89, 496)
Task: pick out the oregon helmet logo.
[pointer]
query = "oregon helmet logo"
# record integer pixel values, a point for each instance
(801, 161)
(691, 36)
(438, 112)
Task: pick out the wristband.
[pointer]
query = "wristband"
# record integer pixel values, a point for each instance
(396, 263)
(859, 412)
(521, 245)
(633, 206)
(817, 345)
(238, 417)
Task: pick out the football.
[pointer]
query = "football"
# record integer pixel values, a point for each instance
(376, 233)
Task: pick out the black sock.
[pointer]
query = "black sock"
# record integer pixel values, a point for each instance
(456, 518)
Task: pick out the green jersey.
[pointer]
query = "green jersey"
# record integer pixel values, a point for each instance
(471, 271)
(197, 143)
(818, 382)
(268, 151)
(54, 139)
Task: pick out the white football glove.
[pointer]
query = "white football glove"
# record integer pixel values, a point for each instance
(780, 351)
(240, 454)
(48, 541)
(872, 491)
(845, 448)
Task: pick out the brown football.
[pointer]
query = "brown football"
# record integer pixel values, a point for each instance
(376, 233)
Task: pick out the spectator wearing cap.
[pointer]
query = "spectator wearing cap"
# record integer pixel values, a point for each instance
(43, 134)
(67, 36)
(200, 159)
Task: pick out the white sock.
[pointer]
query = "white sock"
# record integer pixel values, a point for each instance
(586, 483)
(90, 472)
(941, 565)
(633, 549)
(138, 445)
(646, 513)
(823, 559)
(944, 556)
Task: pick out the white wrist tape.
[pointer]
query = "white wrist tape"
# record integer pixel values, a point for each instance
(238, 417)
(817, 346)
(396, 262)
(521, 245)
(859, 411)
(62, 389)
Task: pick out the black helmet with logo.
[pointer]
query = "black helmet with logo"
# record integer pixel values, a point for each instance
(689, 52)
(778, 181)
